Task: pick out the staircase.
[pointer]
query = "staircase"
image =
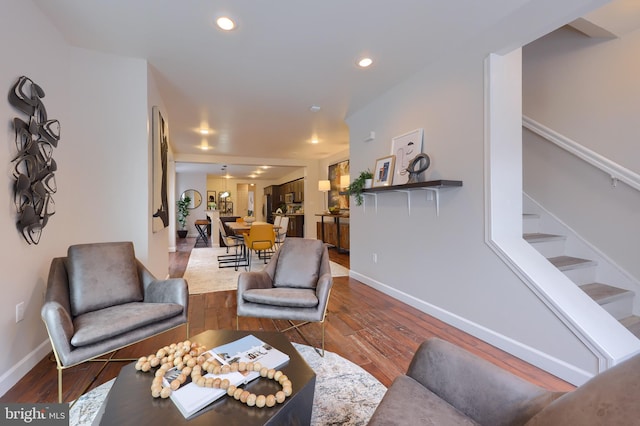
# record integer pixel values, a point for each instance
(616, 301)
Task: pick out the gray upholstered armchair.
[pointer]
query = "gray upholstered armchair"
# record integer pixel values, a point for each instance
(100, 298)
(294, 286)
(446, 385)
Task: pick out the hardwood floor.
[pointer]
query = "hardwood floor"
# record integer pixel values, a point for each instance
(371, 329)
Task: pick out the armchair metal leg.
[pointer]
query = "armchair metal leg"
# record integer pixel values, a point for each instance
(297, 328)
(95, 377)
(105, 362)
(59, 384)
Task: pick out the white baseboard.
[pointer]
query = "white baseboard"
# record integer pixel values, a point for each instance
(552, 365)
(18, 371)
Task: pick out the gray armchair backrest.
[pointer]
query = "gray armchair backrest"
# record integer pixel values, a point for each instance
(102, 275)
(610, 398)
(299, 263)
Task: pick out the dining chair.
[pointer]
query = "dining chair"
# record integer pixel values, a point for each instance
(231, 241)
(260, 240)
(281, 233)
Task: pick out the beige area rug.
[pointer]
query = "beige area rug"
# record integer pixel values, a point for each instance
(204, 276)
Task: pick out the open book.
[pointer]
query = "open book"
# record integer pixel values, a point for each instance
(191, 398)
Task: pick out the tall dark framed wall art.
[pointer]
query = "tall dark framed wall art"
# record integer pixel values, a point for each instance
(33, 166)
(336, 171)
(160, 149)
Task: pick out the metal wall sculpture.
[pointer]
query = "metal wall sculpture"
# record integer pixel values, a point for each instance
(33, 165)
(160, 151)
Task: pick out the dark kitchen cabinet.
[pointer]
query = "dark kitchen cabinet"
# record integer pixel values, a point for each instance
(296, 226)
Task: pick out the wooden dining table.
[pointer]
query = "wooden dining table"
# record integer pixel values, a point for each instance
(245, 227)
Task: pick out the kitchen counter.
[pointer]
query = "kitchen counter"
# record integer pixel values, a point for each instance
(288, 214)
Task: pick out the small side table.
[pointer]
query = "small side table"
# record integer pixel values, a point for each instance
(201, 227)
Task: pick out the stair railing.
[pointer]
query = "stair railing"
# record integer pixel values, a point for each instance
(617, 172)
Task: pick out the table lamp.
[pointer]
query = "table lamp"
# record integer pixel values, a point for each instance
(324, 186)
(345, 180)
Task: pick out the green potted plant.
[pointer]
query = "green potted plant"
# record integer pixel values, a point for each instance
(183, 212)
(359, 184)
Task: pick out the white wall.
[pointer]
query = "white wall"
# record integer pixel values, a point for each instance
(41, 54)
(441, 264)
(589, 91)
(103, 169)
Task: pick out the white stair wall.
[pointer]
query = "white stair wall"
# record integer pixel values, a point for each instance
(606, 270)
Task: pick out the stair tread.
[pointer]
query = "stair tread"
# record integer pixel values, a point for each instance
(632, 323)
(568, 262)
(536, 237)
(603, 293)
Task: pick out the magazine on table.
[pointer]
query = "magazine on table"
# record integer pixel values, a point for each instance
(191, 398)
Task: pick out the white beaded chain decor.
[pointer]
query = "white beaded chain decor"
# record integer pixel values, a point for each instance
(192, 359)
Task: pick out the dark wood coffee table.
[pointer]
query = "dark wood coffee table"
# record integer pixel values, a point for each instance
(129, 401)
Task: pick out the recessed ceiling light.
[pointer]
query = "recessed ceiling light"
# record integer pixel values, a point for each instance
(315, 141)
(365, 62)
(204, 131)
(225, 23)
(314, 108)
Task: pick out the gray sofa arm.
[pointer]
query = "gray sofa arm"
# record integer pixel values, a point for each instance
(251, 280)
(173, 290)
(56, 311)
(59, 327)
(479, 389)
(323, 290)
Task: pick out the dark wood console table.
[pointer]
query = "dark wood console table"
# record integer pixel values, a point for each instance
(340, 247)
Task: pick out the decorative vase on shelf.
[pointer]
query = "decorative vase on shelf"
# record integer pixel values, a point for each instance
(368, 183)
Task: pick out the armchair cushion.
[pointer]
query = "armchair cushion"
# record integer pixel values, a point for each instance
(289, 297)
(102, 275)
(299, 263)
(107, 323)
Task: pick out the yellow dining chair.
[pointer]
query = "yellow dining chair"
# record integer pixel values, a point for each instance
(261, 240)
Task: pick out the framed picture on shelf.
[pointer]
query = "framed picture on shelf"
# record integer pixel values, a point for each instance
(383, 171)
(405, 148)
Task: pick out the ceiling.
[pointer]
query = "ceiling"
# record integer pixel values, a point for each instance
(253, 87)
